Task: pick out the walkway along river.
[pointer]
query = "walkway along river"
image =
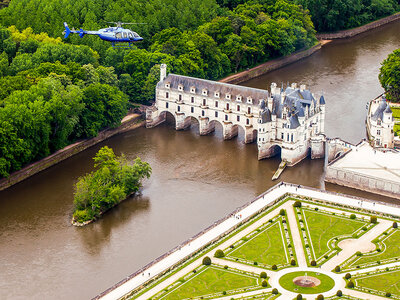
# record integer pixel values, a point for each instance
(195, 181)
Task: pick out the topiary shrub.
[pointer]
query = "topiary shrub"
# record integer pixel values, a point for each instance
(297, 204)
(394, 225)
(313, 263)
(350, 284)
(263, 275)
(293, 262)
(352, 216)
(282, 212)
(388, 294)
(255, 263)
(337, 269)
(219, 253)
(316, 209)
(358, 253)
(264, 283)
(224, 293)
(339, 293)
(226, 267)
(299, 297)
(274, 267)
(206, 261)
(347, 276)
(373, 219)
(275, 291)
(320, 297)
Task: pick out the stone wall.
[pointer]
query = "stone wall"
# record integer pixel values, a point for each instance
(131, 121)
(352, 32)
(270, 66)
(362, 182)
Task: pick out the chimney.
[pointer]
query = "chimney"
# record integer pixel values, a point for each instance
(273, 88)
(163, 72)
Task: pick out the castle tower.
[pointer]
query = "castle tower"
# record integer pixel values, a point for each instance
(322, 115)
(163, 72)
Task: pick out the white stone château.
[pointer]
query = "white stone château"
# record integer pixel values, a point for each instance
(380, 123)
(288, 121)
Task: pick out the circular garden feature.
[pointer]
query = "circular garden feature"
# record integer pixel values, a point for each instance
(306, 282)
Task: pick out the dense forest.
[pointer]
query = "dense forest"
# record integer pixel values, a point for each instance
(54, 91)
(331, 15)
(389, 76)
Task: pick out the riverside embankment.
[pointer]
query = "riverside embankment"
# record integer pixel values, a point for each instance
(131, 121)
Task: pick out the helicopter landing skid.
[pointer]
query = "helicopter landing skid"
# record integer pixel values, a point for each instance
(122, 45)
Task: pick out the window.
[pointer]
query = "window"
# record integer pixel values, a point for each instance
(125, 35)
(202, 113)
(282, 136)
(378, 132)
(249, 110)
(283, 125)
(204, 102)
(216, 114)
(227, 106)
(192, 109)
(216, 94)
(180, 87)
(238, 118)
(166, 105)
(216, 103)
(118, 35)
(249, 100)
(284, 116)
(238, 108)
(239, 98)
(226, 117)
(228, 96)
(247, 121)
(379, 122)
(291, 138)
(130, 35)
(205, 92)
(180, 97)
(287, 137)
(179, 108)
(378, 142)
(166, 95)
(192, 99)
(192, 90)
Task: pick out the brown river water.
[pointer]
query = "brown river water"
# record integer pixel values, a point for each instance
(195, 181)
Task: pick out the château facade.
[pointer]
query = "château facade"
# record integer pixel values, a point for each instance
(288, 121)
(380, 123)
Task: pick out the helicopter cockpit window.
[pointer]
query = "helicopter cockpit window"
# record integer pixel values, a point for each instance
(118, 35)
(135, 34)
(125, 35)
(130, 35)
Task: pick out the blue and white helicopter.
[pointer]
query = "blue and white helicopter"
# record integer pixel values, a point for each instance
(115, 35)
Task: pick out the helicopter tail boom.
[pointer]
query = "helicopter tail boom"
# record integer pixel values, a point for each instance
(67, 30)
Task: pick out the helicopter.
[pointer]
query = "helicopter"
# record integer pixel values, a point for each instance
(115, 35)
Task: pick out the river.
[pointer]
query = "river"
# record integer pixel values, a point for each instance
(195, 181)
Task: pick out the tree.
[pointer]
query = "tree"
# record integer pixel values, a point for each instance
(389, 76)
(219, 253)
(206, 261)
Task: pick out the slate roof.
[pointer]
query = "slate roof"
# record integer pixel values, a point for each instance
(214, 86)
(382, 108)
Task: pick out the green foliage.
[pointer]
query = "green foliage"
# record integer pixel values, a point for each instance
(331, 15)
(320, 297)
(282, 212)
(339, 293)
(374, 219)
(293, 262)
(111, 183)
(337, 269)
(389, 76)
(274, 267)
(299, 297)
(206, 261)
(350, 284)
(219, 253)
(387, 294)
(394, 225)
(352, 216)
(347, 276)
(264, 283)
(275, 291)
(313, 263)
(297, 204)
(263, 275)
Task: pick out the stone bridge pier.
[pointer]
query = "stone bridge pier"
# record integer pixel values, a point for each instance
(181, 121)
(205, 126)
(229, 130)
(153, 117)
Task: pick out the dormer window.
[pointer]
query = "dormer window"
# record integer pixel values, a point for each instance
(216, 94)
(239, 98)
(193, 89)
(228, 96)
(284, 116)
(204, 92)
(180, 87)
(167, 85)
(379, 122)
(249, 100)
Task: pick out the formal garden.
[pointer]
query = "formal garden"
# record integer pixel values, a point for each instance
(290, 251)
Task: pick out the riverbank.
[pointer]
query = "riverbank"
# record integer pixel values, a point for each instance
(131, 121)
(355, 31)
(272, 65)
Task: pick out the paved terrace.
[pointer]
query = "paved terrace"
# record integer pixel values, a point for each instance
(220, 228)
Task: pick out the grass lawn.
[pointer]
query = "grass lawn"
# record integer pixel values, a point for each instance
(384, 282)
(391, 250)
(327, 283)
(266, 247)
(212, 280)
(323, 227)
(396, 112)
